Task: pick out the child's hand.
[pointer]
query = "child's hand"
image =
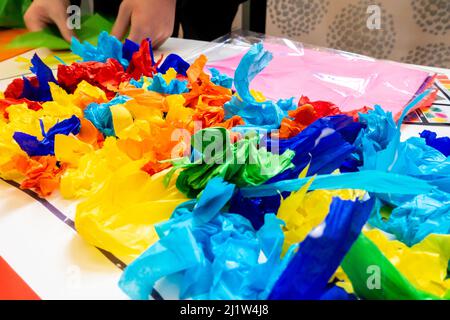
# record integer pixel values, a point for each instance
(149, 19)
(43, 12)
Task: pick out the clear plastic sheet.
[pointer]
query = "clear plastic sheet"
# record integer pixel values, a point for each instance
(349, 80)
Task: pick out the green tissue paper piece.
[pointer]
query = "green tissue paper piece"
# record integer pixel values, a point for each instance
(242, 163)
(91, 26)
(12, 11)
(359, 265)
(45, 38)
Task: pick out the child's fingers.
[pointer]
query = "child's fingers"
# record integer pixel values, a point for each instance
(136, 33)
(122, 22)
(61, 23)
(34, 20)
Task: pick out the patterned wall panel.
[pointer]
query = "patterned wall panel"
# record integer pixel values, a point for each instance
(413, 31)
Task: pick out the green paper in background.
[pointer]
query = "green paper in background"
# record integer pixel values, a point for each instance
(11, 13)
(91, 26)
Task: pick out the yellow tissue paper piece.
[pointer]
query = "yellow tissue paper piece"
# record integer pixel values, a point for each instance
(9, 150)
(63, 106)
(122, 118)
(258, 95)
(424, 264)
(22, 119)
(302, 211)
(147, 106)
(70, 149)
(136, 131)
(59, 95)
(169, 75)
(85, 93)
(119, 218)
(147, 81)
(177, 113)
(343, 281)
(92, 170)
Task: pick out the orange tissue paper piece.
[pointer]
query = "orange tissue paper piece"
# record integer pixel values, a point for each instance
(42, 173)
(201, 87)
(90, 134)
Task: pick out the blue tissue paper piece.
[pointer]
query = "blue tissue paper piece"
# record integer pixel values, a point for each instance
(379, 141)
(101, 117)
(413, 221)
(380, 148)
(174, 87)
(369, 180)
(414, 216)
(333, 292)
(137, 83)
(320, 254)
(215, 255)
(323, 144)
(255, 209)
(265, 115)
(44, 75)
(129, 48)
(176, 62)
(379, 128)
(35, 147)
(107, 47)
(221, 79)
(442, 144)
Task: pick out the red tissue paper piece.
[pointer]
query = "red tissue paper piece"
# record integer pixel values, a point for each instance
(141, 63)
(306, 113)
(153, 167)
(309, 111)
(105, 75)
(15, 88)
